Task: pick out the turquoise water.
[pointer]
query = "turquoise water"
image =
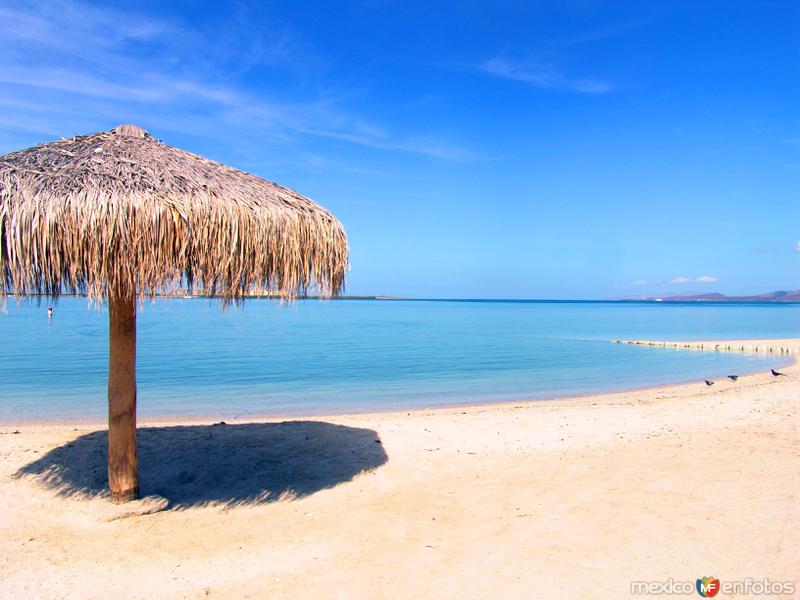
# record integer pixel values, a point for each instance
(317, 357)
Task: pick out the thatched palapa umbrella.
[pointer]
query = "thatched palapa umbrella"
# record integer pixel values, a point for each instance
(119, 215)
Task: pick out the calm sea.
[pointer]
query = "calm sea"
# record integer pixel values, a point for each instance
(317, 357)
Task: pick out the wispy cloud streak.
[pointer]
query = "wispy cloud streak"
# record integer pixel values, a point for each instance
(543, 76)
(67, 67)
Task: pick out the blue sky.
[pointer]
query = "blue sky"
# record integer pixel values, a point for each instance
(574, 149)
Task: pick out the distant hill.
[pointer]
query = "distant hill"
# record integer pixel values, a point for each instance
(778, 296)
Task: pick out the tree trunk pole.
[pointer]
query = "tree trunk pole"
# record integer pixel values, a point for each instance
(123, 465)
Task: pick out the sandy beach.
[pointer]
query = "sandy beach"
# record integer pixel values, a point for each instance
(569, 498)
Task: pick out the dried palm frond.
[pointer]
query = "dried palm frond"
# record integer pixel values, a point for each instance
(119, 211)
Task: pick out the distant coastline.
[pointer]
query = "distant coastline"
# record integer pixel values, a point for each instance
(777, 297)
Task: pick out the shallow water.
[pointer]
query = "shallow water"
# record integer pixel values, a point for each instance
(317, 357)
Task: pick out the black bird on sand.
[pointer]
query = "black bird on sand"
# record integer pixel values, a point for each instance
(776, 373)
(733, 377)
(709, 382)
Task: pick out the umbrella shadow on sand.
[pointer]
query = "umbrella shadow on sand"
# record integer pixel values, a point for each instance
(234, 464)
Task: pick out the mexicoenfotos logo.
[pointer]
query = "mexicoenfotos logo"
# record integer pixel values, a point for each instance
(708, 587)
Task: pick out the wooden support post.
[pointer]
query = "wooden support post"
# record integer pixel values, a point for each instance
(123, 466)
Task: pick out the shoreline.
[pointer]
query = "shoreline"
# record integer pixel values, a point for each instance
(788, 348)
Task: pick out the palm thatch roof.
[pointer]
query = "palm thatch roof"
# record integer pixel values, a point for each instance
(119, 211)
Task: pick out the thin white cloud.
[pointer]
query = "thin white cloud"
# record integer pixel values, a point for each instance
(640, 282)
(797, 247)
(543, 76)
(702, 279)
(428, 146)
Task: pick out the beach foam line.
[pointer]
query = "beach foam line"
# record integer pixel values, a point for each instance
(782, 346)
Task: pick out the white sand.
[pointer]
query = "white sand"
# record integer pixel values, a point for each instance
(552, 499)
